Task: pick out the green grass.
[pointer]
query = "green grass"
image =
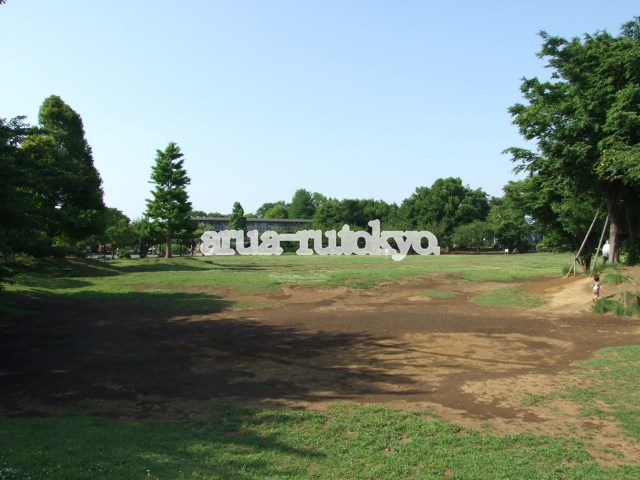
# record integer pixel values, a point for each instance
(512, 296)
(624, 304)
(438, 294)
(343, 442)
(613, 379)
(195, 280)
(614, 278)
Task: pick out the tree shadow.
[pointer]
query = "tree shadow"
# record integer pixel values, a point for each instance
(239, 443)
(134, 360)
(62, 269)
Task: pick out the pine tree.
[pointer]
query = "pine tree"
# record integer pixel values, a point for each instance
(169, 209)
(237, 219)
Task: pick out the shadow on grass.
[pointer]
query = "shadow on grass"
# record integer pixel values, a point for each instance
(136, 360)
(60, 270)
(235, 445)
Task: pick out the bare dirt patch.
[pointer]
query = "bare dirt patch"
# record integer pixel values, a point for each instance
(392, 344)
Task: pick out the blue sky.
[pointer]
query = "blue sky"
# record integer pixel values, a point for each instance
(352, 99)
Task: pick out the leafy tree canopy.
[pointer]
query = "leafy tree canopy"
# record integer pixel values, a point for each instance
(277, 211)
(585, 119)
(69, 189)
(304, 203)
(444, 206)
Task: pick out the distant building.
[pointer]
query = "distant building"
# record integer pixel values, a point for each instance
(281, 225)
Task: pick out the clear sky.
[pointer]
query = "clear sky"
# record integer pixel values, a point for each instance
(349, 98)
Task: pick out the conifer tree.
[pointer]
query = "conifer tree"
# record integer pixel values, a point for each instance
(169, 208)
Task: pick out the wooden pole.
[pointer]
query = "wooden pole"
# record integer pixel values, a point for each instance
(583, 242)
(595, 261)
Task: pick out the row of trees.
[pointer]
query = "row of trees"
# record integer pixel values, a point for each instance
(458, 215)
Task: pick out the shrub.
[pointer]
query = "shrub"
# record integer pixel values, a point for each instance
(615, 278)
(626, 304)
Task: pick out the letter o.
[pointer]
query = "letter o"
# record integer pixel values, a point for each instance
(416, 243)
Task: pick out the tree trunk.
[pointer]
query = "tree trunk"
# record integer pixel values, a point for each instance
(612, 195)
(632, 223)
(167, 254)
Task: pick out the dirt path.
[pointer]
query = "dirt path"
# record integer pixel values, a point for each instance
(392, 344)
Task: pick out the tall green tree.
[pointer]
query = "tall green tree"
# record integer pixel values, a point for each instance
(68, 188)
(169, 208)
(585, 120)
(444, 206)
(19, 215)
(476, 235)
(280, 208)
(18, 218)
(144, 236)
(119, 233)
(277, 211)
(237, 219)
(510, 221)
(357, 213)
(304, 203)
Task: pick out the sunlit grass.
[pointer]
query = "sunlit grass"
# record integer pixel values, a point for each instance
(437, 294)
(259, 275)
(512, 296)
(347, 441)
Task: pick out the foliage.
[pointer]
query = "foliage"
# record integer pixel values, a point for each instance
(50, 191)
(118, 232)
(475, 235)
(145, 236)
(562, 214)
(615, 278)
(237, 219)
(302, 204)
(442, 207)
(261, 212)
(277, 211)
(585, 120)
(509, 220)
(20, 215)
(169, 208)
(69, 189)
(623, 305)
(333, 214)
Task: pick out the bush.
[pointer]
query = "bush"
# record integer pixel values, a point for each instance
(626, 304)
(615, 278)
(631, 252)
(5, 276)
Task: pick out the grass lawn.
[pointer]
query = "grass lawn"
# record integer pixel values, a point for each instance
(194, 282)
(342, 442)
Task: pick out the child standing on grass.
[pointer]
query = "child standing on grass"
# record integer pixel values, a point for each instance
(596, 288)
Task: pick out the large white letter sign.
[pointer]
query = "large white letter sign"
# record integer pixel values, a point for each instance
(375, 243)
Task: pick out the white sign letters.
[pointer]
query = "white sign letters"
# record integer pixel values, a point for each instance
(375, 243)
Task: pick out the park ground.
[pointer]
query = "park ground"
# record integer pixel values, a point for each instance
(413, 344)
